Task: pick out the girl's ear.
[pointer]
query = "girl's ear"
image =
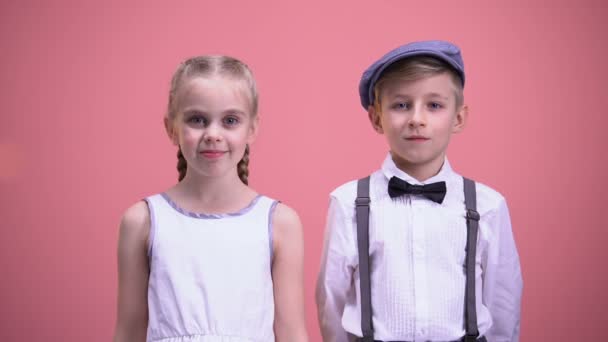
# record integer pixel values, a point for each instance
(170, 129)
(460, 120)
(374, 119)
(253, 129)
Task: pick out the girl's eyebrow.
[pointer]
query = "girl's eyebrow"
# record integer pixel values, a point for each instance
(234, 111)
(230, 111)
(192, 111)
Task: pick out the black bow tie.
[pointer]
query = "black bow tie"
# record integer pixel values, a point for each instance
(434, 191)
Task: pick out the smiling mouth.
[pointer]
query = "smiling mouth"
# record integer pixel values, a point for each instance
(212, 154)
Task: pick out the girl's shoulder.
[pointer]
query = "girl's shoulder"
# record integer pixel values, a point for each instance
(284, 215)
(287, 226)
(135, 222)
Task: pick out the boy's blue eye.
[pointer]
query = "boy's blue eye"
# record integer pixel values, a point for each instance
(435, 105)
(401, 106)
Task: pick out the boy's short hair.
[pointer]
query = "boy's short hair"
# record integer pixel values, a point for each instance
(440, 50)
(416, 68)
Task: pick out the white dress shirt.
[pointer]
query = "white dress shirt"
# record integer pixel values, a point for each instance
(417, 257)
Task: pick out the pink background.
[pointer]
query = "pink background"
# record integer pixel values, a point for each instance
(84, 88)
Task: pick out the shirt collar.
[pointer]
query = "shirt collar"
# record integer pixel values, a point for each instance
(390, 169)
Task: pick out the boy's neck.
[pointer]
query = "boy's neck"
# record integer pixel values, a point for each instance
(420, 172)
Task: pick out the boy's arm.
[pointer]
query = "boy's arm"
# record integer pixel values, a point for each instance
(502, 280)
(335, 277)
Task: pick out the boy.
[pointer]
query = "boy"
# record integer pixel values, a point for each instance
(398, 245)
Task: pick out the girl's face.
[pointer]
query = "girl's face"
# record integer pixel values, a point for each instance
(213, 124)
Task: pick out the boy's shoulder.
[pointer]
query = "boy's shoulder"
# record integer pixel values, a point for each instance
(488, 198)
(347, 192)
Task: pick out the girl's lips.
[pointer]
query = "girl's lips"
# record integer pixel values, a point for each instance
(417, 139)
(212, 154)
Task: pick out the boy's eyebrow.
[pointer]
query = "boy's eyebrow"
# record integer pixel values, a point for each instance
(399, 96)
(406, 96)
(437, 95)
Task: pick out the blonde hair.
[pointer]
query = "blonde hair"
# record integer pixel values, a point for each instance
(415, 68)
(207, 66)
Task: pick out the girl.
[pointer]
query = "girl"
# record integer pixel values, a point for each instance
(210, 259)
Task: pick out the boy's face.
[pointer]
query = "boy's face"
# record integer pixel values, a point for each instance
(418, 119)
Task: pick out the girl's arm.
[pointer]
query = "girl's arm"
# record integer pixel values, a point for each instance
(288, 276)
(133, 272)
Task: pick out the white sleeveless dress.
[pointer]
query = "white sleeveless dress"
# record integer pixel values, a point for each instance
(210, 275)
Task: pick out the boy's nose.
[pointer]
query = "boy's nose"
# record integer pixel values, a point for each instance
(418, 118)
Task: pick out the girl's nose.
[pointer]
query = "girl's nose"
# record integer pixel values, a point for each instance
(212, 134)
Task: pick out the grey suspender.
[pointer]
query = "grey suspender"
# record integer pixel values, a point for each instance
(362, 207)
(472, 216)
(470, 310)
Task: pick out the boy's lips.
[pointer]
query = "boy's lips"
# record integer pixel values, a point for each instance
(416, 138)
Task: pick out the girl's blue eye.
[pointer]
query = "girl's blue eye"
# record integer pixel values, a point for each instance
(197, 120)
(231, 121)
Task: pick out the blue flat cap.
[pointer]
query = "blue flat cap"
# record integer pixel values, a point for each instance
(442, 50)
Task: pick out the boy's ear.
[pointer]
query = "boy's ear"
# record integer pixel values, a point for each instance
(461, 119)
(374, 119)
(170, 131)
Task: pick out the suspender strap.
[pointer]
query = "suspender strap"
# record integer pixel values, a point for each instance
(362, 211)
(470, 201)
